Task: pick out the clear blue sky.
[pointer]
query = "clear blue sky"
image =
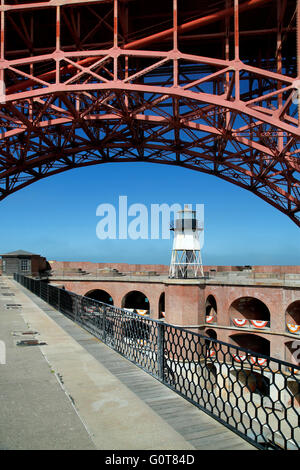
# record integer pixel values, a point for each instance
(57, 218)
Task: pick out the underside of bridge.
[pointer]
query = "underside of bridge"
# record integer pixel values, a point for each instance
(210, 85)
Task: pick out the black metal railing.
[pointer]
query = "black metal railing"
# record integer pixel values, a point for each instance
(255, 395)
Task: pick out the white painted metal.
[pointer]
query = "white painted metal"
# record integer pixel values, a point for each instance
(186, 261)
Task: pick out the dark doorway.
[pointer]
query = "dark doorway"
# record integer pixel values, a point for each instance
(136, 300)
(161, 306)
(101, 296)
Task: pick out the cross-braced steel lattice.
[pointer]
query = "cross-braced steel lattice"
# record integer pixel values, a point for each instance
(210, 85)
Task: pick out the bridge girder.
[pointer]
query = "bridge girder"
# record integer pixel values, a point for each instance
(223, 116)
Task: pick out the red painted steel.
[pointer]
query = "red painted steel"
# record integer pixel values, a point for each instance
(208, 85)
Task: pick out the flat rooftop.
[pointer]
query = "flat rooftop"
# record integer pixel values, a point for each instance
(222, 278)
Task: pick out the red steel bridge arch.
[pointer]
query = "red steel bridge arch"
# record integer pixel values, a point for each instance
(89, 82)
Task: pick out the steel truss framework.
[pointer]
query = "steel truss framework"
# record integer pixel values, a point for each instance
(112, 95)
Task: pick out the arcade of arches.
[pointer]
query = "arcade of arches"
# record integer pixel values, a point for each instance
(267, 317)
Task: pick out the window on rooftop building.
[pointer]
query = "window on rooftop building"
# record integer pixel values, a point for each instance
(25, 265)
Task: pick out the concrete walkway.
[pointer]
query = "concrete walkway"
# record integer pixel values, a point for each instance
(74, 392)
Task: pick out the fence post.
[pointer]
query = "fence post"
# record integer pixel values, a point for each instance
(76, 307)
(104, 324)
(160, 350)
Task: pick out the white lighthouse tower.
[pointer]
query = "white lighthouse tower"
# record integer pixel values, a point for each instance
(186, 261)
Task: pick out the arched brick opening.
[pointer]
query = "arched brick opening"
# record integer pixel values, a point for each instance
(292, 352)
(210, 348)
(251, 381)
(249, 311)
(292, 316)
(210, 310)
(211, 333)
(211, 306)
(161, 306)
(292, 355)
(253, 342)
(136, 300)
(101, 296)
